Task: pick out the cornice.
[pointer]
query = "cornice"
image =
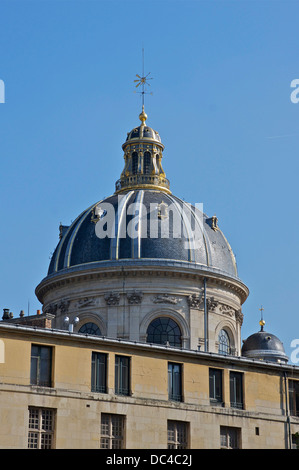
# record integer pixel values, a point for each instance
(141, 268)
(234, 362)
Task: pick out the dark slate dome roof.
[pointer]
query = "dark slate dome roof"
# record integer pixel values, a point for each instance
(143, 132)
(79, 244)
(264, 345)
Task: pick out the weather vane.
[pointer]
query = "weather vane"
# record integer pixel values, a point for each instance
(143, 81)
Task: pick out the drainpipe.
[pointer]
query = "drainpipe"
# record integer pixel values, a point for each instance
(205, 316)
(289, 441)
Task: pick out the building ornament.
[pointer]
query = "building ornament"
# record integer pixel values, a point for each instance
(166, 299)
(212, 304)
(112, 298)
(97, 214)
(239, 317)
(86, 302)
(194, 300)
(52, 308)
(226, 309)
(134, 297)
(64, 306)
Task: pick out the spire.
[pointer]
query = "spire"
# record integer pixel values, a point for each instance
(142, 152)
(143, 81)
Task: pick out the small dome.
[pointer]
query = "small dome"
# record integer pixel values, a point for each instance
(264, 346)
(143, 132)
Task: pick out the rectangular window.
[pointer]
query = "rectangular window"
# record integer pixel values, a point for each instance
(215, 383)
(99, 372)
(41, 366)
(175, 381)
(294, 397)
(177, 435)
(112, 431)
(230, 437)
(122, 375)
(41, 428)
(236, 390)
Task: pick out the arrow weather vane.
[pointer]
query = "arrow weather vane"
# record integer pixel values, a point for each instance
(143, 81)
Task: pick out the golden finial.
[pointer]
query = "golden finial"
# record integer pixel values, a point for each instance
(143, 116)
(262, 322)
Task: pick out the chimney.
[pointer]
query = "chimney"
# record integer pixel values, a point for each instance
(5, 314)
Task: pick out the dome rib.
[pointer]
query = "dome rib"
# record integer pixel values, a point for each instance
(81, 246)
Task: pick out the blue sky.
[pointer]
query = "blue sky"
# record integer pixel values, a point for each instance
(221, 102)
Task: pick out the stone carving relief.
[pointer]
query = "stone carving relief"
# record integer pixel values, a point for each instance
(239, 317)
(134, 297)
(86, 302)
(52, 308)
(194, 301)
(112, 298)
(227, 310)
(212, 304)
(64, 306)
(166, 299)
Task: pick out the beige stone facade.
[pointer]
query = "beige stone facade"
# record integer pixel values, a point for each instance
(122, 301)
(265, 419)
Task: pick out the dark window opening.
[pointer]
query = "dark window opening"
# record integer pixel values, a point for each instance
(164, 330)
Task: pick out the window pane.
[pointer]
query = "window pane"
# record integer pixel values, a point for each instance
(177, 432)
(90, 329)
(146, 163)
(41, 428)
(229, 437)
(32, 440)
(224, 343)
(175, 381)
(122, 375)
(41, 365)
(215, 379)
(236, 390)
(112, 431)
(34, 370)
(99, 372)
(164, 330)
(134, 163)
(45, 367)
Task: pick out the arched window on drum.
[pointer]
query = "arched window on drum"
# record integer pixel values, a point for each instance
(224, 346)
(90, 329)
(147, 163)
(134, 163)
(164, 330)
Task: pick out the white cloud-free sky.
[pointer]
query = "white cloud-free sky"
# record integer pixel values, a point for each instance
(222, 73)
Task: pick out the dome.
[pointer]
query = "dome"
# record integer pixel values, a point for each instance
(145, 224)
(265, 346)
(143, 132)
(143, 220)
(142, 257)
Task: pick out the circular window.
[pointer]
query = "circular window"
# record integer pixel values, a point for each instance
(164, 330)
(90, 329)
